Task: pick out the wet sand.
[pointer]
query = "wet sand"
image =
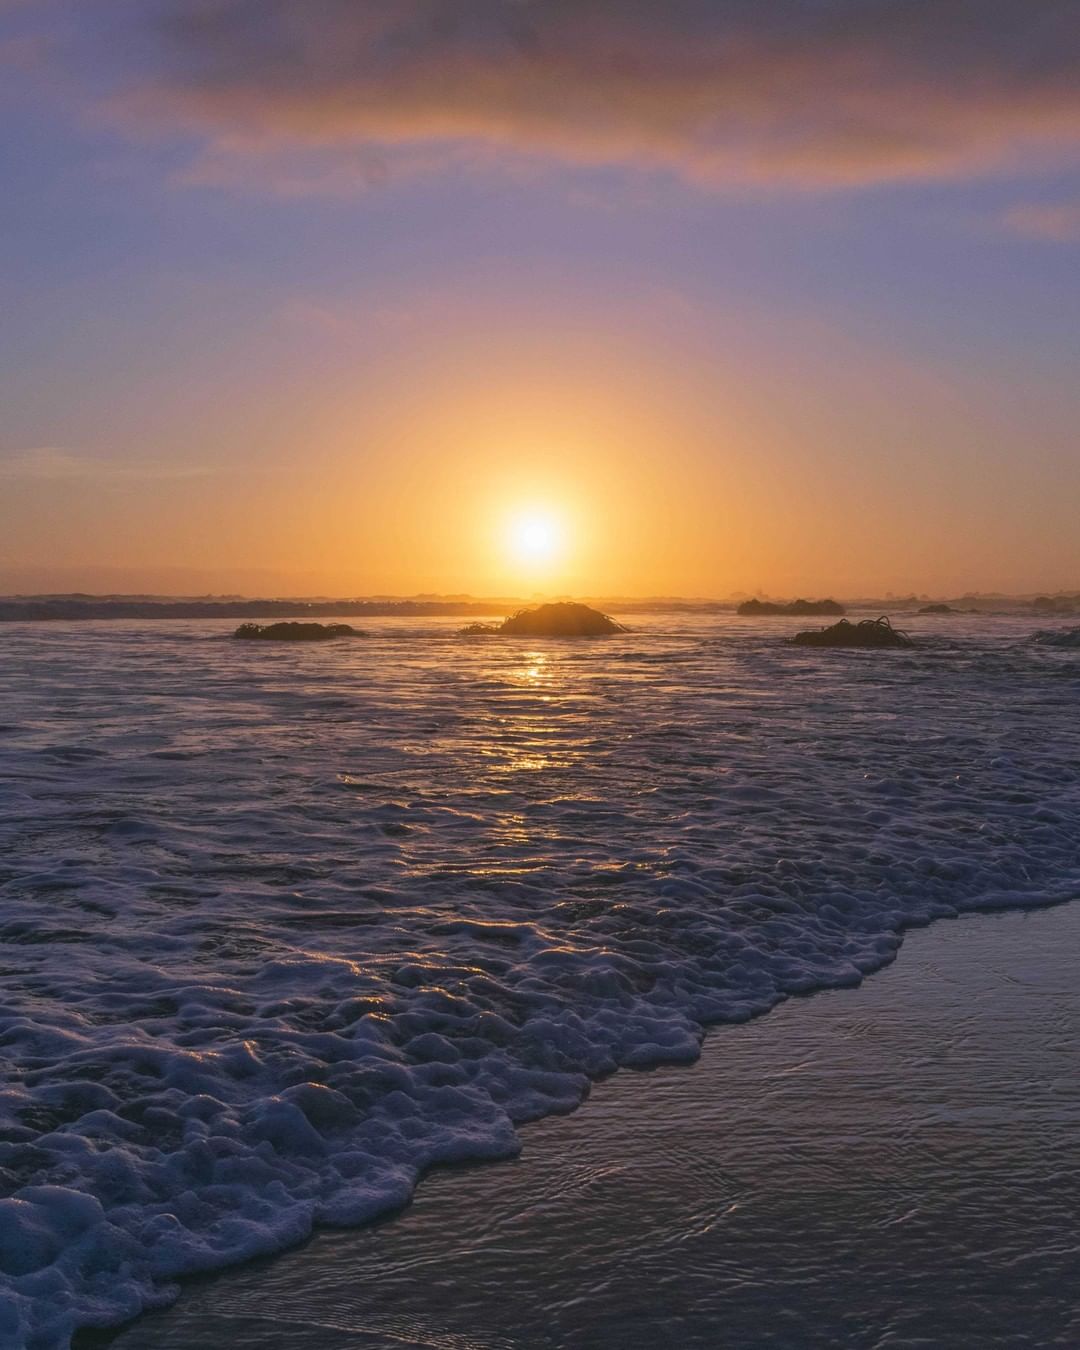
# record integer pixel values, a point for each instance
(889, 1166)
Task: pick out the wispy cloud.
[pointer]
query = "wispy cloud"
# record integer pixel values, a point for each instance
(48, 464)
(720, 91)
(1058, 222)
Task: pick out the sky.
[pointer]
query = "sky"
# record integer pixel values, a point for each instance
(372, 296)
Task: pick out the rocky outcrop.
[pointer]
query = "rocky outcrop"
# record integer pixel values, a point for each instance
(868, 633)
(295, 632)
(562, 619)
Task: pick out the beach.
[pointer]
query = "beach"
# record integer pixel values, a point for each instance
(882, 1167)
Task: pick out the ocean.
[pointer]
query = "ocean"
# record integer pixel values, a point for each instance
(282, 928)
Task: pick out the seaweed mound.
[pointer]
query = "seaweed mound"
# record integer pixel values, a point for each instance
(868, 633)
(756, 607)
(1057, 637)
(562, 619)
(295, 632)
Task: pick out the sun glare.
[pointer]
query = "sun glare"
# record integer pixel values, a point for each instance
(534, 537)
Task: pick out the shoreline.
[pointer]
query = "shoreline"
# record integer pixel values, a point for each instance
(617, 1118)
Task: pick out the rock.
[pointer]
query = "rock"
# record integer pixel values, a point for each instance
(295, 632)
(938, 609)
(750, 608)
(1057, 637)
(868, 633)
(563, 619)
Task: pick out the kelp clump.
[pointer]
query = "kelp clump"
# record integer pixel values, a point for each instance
(295, 632)
(561, 619)
(868, 633)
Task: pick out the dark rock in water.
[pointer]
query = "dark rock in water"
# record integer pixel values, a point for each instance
(563, 619)
(939, 609)
(295, 632)
(749, 608)
(1057, 637)
(868, 633)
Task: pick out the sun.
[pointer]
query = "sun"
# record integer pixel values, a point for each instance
(534, 537)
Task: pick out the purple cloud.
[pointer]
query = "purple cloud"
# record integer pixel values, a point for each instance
(814, 92)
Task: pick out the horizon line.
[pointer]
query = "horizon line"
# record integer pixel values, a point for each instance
(464, 597)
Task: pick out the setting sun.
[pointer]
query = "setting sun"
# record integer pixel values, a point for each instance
(534, 537)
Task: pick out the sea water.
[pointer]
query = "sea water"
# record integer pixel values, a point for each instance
(282, 927)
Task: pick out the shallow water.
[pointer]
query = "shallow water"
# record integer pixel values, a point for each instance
(282, 928)
(883, 1167)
